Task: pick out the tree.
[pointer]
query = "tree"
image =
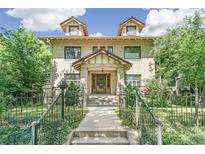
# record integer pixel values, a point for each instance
(24, 62)
(182, 52)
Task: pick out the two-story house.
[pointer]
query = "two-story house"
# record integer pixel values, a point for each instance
(101, 64)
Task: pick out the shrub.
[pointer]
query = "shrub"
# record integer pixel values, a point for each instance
(158, 93)
(130, 96)
(72, 94)
(14, 136)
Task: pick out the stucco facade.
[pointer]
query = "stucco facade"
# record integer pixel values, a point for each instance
(115, 66)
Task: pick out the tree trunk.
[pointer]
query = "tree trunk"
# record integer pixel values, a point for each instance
(196, 104)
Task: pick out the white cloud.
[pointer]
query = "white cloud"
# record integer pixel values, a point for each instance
(44, 19)
(159, 21)
(98, 34)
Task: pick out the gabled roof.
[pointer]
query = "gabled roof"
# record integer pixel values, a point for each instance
(67, 20)
(138, 22)
(133, 19)
(105, 52)
(78, 21)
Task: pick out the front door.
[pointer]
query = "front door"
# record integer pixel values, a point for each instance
(101, 83)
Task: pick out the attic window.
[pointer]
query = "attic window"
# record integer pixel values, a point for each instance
(130, 28)
(73, 28)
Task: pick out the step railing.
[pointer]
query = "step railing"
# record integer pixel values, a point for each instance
(147, 122)
(50, 127)
(142, 118)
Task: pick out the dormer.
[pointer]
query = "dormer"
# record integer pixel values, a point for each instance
(74, 27)
(130, 27)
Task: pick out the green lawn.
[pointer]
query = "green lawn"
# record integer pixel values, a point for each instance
(176, 130)
(21, 115)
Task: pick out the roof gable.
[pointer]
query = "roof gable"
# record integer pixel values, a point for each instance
(74, 21)
(102, 57)
(131, 21)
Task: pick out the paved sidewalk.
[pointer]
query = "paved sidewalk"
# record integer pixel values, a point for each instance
(101, 118)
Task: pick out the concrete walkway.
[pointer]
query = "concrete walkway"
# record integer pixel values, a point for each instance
(103, 118)
(100, 126)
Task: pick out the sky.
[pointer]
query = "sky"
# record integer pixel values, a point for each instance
(100, 22)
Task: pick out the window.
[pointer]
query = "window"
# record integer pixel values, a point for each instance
(72, 77)
(72, 52)
(102, 47)
(73, 28)
(133, 79)
(110, 49)
(133, 52)
(95, 48)
(130, 28)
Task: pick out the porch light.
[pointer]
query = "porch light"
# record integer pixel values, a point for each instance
(102, 69)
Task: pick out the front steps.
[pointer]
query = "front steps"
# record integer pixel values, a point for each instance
(101, 126)
(99, 137)
(97, 100)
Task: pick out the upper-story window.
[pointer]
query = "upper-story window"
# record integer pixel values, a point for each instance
(130, 29)
(132, 52)
(110, 49)
(95, 48)
(72, 52)
(73, 28)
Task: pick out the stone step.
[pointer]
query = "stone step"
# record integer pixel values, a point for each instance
(102, 100)
(100, 141)
(101, 105)
(100, 133)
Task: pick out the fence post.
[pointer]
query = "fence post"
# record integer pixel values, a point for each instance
(119, 105)
(62, 85)
(196, 104)
(137, 111)
(34, 132)
(159, 132)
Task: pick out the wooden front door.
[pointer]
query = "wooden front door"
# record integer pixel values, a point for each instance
(101, 83)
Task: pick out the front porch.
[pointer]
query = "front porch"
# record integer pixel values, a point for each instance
(102, 74)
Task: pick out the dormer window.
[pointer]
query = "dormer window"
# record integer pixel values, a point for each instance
(130, 29)
(73, 28)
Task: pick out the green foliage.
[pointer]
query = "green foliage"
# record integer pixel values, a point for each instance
(24, 62)
(182, 51)
(183, 135)
(130, 95)
(72, 94)
(158, 93)
(53, 133)
(128, 117)
(15, 136)
(7, 100)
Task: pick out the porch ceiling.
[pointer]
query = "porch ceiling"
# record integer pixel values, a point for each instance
(101, 59)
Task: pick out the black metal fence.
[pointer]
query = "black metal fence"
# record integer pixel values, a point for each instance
(29, 120)
(21, 110)
(179, 110)
(141, 117)
(64, 114)
(183, 111)
(148, 123)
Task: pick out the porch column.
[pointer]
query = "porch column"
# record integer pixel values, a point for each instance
(120, 79)
(84, 83)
